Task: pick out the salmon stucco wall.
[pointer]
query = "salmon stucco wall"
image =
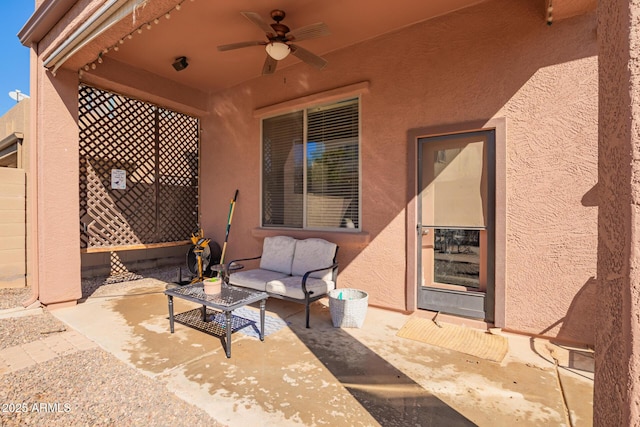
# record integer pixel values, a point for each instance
(495, 60)
(616, 400)
(57, 187)
(552, 201)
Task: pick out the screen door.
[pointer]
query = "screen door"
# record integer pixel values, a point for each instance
(456, 213)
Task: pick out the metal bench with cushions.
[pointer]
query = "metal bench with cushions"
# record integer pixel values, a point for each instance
(301, 271)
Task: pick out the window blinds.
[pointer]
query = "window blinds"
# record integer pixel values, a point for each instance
(319, 177)
(332, 165)
(282, 170)
(454, 188)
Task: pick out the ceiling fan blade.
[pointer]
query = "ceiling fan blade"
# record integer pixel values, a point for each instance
(312, 31)
(240, 45)
(308, 57)
(258, 21)
(269, 66)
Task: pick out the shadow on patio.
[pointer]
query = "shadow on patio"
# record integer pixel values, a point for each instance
(389, 395)
(322, 375)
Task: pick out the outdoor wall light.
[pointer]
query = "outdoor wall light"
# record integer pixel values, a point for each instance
(278, 50)
(180, 63)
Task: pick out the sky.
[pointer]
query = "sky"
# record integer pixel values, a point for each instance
(14, 73)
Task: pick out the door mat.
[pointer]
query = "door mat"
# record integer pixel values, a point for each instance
(243, 320)
(458, 338)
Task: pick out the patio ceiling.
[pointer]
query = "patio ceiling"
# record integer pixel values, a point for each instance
(199, 26)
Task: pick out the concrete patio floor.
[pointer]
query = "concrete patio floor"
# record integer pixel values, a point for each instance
(337, 376)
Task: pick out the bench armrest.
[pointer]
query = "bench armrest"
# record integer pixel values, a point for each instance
(227, 268)
(242, 259)
(333, 267)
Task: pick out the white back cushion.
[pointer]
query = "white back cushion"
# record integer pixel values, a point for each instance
(311, 254)
(277, 254)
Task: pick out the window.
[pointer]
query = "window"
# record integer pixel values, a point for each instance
(311, 168)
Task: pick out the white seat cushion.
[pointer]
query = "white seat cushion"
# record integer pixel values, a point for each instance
(291, 286)
(254, 279)
(277, 254)
(311, 254)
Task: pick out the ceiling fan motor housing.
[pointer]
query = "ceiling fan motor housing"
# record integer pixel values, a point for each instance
(277, 15)
(280, 29)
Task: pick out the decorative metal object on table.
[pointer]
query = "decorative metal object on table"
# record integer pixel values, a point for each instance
(229, 299)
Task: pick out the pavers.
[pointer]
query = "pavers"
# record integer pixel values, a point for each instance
(28, 354)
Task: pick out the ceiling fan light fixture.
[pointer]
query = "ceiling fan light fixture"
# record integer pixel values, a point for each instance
(278, 50)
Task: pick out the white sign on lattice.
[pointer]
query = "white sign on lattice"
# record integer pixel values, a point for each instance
(118, 179)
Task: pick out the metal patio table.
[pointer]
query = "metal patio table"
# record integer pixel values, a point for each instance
(229, 299)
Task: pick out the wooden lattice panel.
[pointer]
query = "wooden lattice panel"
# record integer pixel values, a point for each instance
(178, 174)
(158, 150)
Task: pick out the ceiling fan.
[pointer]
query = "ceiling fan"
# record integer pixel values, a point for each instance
(280, 39)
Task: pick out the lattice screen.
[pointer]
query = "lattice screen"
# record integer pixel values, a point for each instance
(158, 150)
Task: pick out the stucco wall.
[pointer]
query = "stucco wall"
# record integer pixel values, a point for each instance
(498, 59)
(617, 358)
(57, 187)
(17, 120)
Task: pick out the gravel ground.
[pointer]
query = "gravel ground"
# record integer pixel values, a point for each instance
(96, 287)
(91, 287)
(85, 388)
(13, 297)
(21, 330)
(91, 388)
